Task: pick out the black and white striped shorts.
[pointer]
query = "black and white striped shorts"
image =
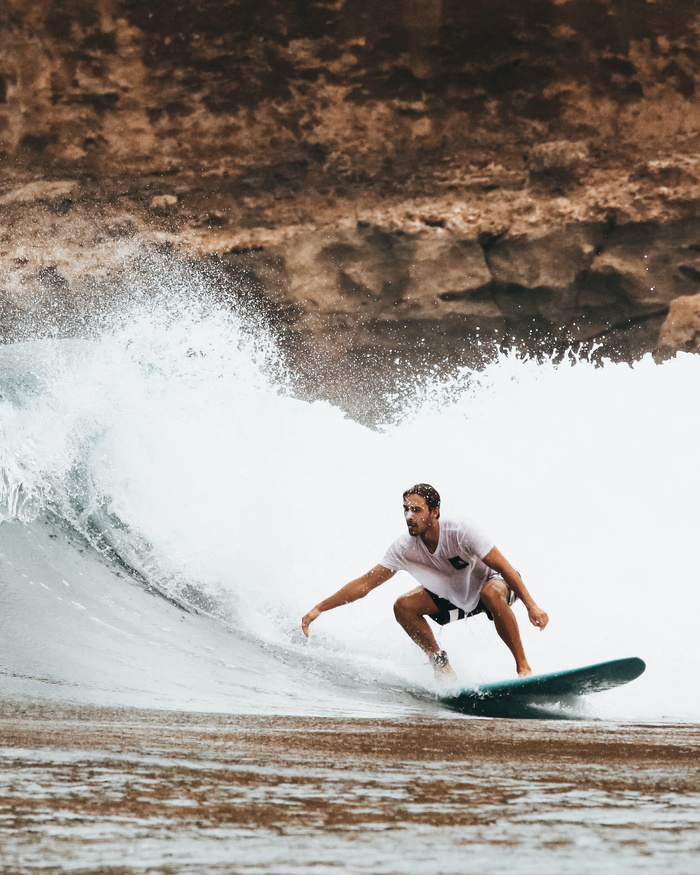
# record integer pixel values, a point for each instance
(448, 613)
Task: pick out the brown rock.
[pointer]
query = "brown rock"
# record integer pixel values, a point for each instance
(653, 263)
(681, 329)
(379, 179)
(443, 273)
(164, 202)
(40, 190)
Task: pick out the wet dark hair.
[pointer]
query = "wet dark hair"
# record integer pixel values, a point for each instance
(426, 491)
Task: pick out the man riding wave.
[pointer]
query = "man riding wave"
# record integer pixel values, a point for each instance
(461, 574)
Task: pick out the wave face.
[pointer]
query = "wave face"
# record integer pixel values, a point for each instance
(170, 510)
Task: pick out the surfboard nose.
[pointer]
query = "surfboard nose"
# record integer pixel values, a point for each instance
(631, 667)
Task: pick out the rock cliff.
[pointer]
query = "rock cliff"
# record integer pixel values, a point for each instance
(423, 179)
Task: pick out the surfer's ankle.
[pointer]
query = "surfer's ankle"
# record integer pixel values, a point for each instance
(441, 666)
(439, 659)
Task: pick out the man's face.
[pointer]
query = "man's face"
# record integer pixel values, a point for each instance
(419, 517)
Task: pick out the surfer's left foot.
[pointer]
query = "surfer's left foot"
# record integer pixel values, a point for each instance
(524, 672)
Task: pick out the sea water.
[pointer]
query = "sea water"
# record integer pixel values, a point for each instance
(170, 509)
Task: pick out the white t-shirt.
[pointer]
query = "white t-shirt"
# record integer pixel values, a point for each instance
(455, 570)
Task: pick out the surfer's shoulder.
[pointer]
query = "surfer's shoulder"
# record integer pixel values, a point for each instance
(403, 541)
(455, 524)
(466, 532)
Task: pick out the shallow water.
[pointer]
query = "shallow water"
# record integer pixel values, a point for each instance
(173, 793)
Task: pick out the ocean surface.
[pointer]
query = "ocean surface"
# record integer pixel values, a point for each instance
(169, 511)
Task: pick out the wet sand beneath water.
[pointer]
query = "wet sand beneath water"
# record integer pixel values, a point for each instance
(126, 791)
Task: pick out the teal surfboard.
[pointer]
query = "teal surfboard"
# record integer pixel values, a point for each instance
(531, 696)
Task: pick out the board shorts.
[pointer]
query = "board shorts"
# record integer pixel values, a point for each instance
(448, 613)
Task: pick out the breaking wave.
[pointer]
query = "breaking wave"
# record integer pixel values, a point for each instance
(170, 509)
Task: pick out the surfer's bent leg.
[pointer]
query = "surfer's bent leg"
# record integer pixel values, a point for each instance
(410, 611)
(494, 595)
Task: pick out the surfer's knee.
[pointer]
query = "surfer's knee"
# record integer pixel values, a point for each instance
(495, 594)
(407, 607)
(402, 607)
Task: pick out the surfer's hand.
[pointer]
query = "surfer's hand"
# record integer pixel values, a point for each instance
(308, 619)
(538, 617)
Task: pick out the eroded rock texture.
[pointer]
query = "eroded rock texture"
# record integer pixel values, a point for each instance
(422, 178)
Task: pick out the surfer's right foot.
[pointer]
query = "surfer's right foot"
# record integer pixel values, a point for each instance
(441, 666)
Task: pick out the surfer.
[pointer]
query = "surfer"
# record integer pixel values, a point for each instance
(461, 574)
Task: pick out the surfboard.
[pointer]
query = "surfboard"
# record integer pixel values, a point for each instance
(530, 696)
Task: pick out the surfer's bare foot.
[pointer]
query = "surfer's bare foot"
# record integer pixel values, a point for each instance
(442, 668)
(446, 675)
(524, 671)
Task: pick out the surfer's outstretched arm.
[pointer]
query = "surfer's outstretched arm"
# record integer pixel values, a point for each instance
(351, 592)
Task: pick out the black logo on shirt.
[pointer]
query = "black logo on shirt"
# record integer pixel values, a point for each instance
(457, 562)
